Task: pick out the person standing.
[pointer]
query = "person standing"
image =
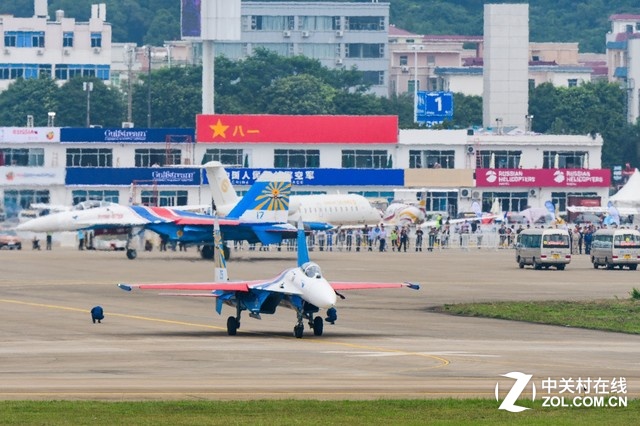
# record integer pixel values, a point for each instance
(404, 239)
(382, 236)
(419, 235)
(80, 239)
(49, 240)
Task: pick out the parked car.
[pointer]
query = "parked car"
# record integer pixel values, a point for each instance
(9, 240)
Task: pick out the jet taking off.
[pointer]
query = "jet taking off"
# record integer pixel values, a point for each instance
(260, 217)
(302, 288)
(320, 211)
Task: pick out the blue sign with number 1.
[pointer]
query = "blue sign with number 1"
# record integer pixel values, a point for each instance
(434, 107)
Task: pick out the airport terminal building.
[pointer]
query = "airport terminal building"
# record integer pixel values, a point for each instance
(367, 155)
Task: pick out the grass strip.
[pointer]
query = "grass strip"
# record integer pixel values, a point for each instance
(294, 412)
(617, 315)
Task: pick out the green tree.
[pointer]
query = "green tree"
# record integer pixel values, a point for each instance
(298, 95)
(36, 97)
(163, 27)
(105, 104)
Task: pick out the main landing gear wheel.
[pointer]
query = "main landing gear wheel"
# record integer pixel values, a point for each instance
(131, 254)
(298, 330)
(318, 326)
(232, 326)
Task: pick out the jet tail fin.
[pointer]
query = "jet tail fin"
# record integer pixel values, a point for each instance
(267, 200)
(223, 194)
(303, 251)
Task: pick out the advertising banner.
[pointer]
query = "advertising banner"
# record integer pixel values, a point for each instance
(31, 176)
(29, 134)
(160, 176)
(322, 177)
(126, 135)
(560, 178)
(297, 129)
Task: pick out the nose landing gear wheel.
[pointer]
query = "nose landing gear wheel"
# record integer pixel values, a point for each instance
(131, 254)
(298, 331)
(318, 326)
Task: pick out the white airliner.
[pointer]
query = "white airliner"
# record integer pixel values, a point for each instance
(302, 288)
(317, 210)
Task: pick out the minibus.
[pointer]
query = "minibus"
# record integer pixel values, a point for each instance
(615, 247)
(542, 248)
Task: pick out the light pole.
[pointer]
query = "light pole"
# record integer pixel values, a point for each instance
(87, 86)
(149, 88)
(415, 49)
(51, 117)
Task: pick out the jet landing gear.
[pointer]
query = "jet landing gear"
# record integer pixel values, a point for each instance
(131, 254)
(316, 324)
(233, 323)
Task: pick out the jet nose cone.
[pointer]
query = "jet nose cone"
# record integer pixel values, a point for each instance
(40, 224)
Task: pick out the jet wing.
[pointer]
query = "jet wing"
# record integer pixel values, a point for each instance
(212, 286)
(344, 285)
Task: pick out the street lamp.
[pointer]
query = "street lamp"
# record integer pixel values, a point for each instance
(415, 49)
(51, 116)
(529, 118)
(149, 88)
(87, 86)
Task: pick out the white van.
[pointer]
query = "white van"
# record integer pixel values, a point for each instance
(543, 248)
(615, 247)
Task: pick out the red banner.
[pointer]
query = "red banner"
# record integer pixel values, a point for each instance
(355, 129)
(561, 178)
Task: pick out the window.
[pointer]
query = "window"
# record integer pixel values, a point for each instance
(96, 39)
(81, 195)
(303, 158)
(24, 38)
(564, 159)
(364, 50)
(89, 157)
(365, 23)
(19, 199)
(164, 198)
(26, 71)
(228, 157)
(442, 201)
(404, 60)
(26, 157)
(67, 39)
(68, 71)
(572, 82)
(431, 60)
(157, 157)
(316, 23)
(374, 78)
(272, 23)
(366, 159)
(430, 159)
(499, 159)
(507, 201)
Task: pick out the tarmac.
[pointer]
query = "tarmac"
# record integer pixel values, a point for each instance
(386, 343)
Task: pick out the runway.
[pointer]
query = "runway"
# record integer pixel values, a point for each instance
(385, 344)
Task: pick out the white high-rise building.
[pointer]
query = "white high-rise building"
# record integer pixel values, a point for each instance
(506, 65)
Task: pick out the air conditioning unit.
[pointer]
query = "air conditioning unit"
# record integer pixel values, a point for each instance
(465, 193)
(97, 50)
(339, 33)
(305, 34)
(67, 52)
(127, 125)
(476, 195)
(286, 33)
(405, 68)
(533, 193)
(339, 61)
(469, 149)
(40, 52)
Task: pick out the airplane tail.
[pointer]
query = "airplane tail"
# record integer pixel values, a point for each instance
(303, 251)
(267, 200)
(222, 192)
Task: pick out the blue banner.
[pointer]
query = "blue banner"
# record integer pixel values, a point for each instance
(68, 134)
(161, 176)
(434, 107)
(323, 177)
